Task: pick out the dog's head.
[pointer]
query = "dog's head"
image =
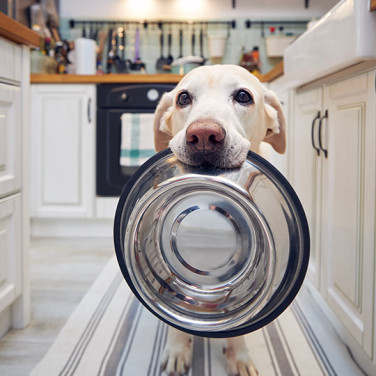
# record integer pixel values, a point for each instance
(216, 114)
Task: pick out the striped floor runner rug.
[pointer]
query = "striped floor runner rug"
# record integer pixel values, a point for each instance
(111, 334)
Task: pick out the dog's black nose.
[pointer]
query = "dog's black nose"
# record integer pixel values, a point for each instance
(205, 136)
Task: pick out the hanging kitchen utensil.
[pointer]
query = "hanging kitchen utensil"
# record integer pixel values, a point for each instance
(161, 62)
(216, 253)
(180, 43)
(193, 40)
(185, 64)
(83, 31)
(111, 49)
(137, 64)
(121, 61)
(102, 41)
(91, 31)
(137, 45)
(117, 49)
(95, 32)
(170, 58)
(202, 43)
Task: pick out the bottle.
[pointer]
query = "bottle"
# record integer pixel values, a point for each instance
(256, 60)
(255, 55)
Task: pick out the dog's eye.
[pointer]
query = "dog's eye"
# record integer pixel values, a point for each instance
(184, 99)
(243, 97)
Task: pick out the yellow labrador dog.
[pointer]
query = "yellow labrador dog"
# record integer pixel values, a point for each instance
(211, 119)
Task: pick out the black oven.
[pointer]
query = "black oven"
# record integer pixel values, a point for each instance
(112, 101)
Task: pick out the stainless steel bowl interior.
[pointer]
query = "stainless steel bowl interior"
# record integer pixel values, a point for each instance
(211, 252)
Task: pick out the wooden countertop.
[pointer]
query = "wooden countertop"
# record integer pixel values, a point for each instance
(274, 73)
(128, 78)
(125, 78)
(16, 32)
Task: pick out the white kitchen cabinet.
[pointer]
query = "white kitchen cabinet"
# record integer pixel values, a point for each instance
(63, 151)
(348, 225)
(306, 170)
(11, 61)
(14, 194)
(10, 250)
(10, 202)
(10, 139)
(336, 184)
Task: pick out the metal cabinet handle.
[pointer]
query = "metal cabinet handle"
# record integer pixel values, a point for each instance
(313, 133)
(320, 134)
(89, 110)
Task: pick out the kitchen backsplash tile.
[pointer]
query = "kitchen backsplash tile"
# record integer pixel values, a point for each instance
(238, 38)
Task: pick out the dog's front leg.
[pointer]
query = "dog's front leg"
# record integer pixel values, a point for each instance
(238, 360)
(177, 356)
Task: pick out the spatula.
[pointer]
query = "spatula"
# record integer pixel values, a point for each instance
(162, 60)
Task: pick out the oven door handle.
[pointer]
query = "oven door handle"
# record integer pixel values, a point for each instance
(89, 110)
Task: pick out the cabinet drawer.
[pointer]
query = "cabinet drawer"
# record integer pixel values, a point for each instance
(10, 139)
(10, 250)
(11, 62)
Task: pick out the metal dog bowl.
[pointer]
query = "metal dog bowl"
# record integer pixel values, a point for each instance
(215, 253)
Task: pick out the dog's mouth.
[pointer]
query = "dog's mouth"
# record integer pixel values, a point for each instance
(206, 160)
(212, 160)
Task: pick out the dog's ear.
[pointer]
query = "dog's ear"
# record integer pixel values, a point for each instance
(162, 122)
(275, 121)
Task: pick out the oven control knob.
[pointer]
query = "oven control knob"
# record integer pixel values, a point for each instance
(152, 94)
(124, 96)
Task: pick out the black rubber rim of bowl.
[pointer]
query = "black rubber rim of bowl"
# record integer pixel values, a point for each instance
(275, 305)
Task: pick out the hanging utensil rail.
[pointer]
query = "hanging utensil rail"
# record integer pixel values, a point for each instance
(74, 23)
(263, 23)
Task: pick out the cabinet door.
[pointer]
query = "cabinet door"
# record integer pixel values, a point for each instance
(306, 169)
(349, 204)
(63, 160)
(11, 60)
(10, 139)
(10, 250)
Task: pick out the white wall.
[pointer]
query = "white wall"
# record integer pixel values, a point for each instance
(192, 9)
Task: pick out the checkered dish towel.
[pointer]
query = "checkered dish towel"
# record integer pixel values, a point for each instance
(137, 140)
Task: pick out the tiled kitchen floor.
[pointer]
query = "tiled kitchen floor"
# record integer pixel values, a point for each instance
(61, 271)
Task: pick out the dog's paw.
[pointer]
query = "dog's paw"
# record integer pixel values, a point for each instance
(238, 362)
(177, 357)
